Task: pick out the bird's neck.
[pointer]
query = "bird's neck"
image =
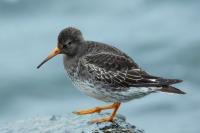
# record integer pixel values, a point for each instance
(71, 62)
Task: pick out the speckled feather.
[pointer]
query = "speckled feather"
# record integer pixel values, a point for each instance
(106, 73)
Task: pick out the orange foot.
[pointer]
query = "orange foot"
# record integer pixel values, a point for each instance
(114, 106)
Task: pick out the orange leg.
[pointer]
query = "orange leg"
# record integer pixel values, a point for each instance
(114, 106)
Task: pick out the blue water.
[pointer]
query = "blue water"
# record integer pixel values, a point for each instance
(162, 36)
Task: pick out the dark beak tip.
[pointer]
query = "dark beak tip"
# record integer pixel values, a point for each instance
(40, 64)
(38, 67)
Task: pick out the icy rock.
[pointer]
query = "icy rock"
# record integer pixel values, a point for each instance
(69, 124)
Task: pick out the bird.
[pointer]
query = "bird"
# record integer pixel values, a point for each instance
(106, 73)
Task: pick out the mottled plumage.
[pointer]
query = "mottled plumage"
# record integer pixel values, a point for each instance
(105, 72)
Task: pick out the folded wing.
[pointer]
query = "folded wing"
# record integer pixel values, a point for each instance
(120, 71)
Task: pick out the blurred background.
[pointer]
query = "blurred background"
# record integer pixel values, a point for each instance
(163, 37)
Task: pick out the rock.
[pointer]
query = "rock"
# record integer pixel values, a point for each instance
(69, 124)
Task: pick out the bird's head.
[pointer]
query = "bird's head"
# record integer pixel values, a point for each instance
(69, 41)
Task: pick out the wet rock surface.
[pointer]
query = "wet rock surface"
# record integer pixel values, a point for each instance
(69, 124)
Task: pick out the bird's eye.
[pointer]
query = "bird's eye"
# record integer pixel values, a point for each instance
(70, 43)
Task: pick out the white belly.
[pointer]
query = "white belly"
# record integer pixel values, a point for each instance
(108, 95)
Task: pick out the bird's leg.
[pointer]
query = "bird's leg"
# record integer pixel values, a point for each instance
(95, 110)
(115, 106)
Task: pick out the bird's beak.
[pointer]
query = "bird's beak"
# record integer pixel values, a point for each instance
(53, 53)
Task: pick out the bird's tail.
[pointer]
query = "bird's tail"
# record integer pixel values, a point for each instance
(169, 81)
(171, 89)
